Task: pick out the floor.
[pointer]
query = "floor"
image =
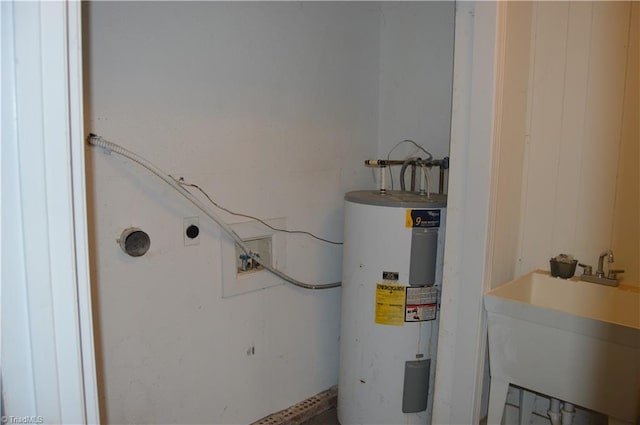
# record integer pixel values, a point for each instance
(328, 417)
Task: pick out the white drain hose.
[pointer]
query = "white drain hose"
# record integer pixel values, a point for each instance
(112, 147)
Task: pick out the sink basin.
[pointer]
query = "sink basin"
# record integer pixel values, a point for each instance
(606, 312)
(569, 339)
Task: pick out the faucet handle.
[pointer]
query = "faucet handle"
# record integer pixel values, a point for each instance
(612, 273)
(588, 270)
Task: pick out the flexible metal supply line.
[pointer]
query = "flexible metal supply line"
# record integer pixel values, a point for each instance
(95, 140)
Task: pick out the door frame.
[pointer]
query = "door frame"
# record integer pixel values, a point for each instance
(48, 357)
(462, 335)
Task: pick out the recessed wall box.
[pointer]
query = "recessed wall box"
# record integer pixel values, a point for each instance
(240, 274)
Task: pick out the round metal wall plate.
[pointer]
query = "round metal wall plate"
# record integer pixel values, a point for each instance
(134, 242)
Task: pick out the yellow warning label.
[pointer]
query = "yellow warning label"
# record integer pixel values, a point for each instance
(390, 304)
(408, 221)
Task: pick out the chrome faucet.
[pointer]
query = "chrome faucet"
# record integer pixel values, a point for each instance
(608, 253)
(612, 276)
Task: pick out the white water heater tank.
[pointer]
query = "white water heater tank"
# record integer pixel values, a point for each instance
(392, 272)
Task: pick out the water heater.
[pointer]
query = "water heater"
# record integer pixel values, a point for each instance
(392, 272)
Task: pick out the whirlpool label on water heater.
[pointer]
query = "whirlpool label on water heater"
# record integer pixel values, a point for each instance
(423, 218)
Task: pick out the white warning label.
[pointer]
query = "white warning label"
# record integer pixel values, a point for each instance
(421, 303)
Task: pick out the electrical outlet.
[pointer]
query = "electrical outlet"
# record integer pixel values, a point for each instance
(191, 231)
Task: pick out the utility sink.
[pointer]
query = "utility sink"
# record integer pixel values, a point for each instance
(569, 339)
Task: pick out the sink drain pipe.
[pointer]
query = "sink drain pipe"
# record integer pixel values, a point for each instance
(568, 412)
(561, 417)
(554, 412)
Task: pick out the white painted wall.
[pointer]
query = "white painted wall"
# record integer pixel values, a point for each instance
(577, 95)
(416, 68)
(511, 136)
(272, 108)
(626, 219)
(565, 149)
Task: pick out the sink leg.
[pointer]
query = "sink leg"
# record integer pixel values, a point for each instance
(497, 399)
(526, 406)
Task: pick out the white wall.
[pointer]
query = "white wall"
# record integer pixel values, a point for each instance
(511, 136)
(416, 68)
(569, 78)
(272, 108)
(626, 219)
(575, 116)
